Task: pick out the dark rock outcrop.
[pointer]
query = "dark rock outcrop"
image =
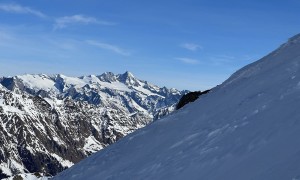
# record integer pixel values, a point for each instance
(190, 97)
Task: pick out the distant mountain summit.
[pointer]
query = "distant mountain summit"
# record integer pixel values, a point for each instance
(245, 129)
(50, 122)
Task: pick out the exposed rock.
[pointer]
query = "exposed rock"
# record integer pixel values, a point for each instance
(190, 97)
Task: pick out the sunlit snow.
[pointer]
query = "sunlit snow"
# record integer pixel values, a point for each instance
(245, 129)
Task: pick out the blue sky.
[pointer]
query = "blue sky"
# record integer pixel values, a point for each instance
(186, 44)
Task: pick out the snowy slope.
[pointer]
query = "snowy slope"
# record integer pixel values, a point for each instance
(48, 123)
(245, 129)
(28, 176)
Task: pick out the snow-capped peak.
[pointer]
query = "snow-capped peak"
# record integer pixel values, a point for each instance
(129, 79)
(128, 74)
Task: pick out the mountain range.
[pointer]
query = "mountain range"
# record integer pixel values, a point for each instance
(50, 122)
(245, 129)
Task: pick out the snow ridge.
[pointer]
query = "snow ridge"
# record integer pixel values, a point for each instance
(246, 128)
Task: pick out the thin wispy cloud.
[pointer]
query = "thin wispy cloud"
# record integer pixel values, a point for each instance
(109, 47)
(18, 9)
(65, 21)
(188, 60)
(191, 46)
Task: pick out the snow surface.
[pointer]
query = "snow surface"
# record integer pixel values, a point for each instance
(245, 129)
(146, 91)
(115, 85)
(5, 169)
(38, 82)
(73, 81)
(45, 82)
(28, 176)
(91, 144)
(62, 161)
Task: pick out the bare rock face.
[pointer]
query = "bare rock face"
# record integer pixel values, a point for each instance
(190, 97)
(48, 123)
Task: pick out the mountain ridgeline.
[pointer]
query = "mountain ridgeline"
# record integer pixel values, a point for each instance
(50, 122)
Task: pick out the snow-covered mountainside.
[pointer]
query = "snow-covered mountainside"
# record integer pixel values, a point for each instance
(48, 123)
(245, 129)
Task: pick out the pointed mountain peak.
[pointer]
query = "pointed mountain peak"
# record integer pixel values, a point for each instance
(128, 79)
(128, 74)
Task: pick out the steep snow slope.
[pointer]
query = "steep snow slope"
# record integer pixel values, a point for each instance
(48, 123)
(245, 129)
